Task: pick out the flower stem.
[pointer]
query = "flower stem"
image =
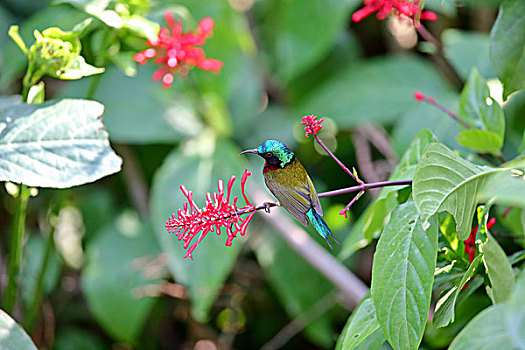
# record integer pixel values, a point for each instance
(37, 298)
(447, 111)
(15, 249)
(364, 187)
(336, 159)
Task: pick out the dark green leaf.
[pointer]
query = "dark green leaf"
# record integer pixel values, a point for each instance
(507, 45)
(500, 271)
(402, 277)
(198, 165)
(444, 313)
(445, 182)
(12, 336)
(112, 282)
(371, 91)
(362, 323)
(478, 109)
(481, 141)
(78, 339)
(59, 144)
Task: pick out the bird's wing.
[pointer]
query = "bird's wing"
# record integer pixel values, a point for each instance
(313, 197)
(296, 200)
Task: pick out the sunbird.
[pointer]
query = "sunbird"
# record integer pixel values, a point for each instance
(289, 182)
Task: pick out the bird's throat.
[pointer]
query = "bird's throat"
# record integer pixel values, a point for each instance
(269, 167)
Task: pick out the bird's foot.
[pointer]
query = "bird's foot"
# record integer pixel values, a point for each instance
(267, 206)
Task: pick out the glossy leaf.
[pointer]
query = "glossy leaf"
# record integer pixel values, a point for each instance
(362, 323)
(198, 166)
(12, 336)
(112, 282)
(60, 143)
(499, 270)
(481, 141)
(444, 312)
(506, 188)
(478, 109)
(402, 277)
(445, 182)
(507, 45)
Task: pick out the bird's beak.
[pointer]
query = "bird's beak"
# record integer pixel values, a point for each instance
(254, 151)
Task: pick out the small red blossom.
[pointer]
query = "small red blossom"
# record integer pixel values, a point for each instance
(400, 8)
(176, 52)
(312, 125)
(419, 96)
(218, 212)
(470, 242)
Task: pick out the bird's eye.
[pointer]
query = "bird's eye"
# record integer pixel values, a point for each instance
(268, 153)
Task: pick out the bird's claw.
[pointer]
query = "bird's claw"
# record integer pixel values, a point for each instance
(267, 206)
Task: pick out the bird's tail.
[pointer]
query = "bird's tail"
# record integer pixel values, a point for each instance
(320, 225)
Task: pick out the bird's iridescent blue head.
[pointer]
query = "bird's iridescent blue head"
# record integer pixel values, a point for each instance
(274, 152)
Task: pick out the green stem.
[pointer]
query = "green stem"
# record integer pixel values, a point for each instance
(15, 250)
(37, 300)
(93, 85)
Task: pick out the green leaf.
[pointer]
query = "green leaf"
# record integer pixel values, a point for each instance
(467, 50)
(500, 271)
(478, 109)
(297, 47)
(507, 45)
(521, 149)
(78, 339)
(370, 91)
(198, 165)
(361, 324)
(500, 326)
(112, 282)
(12, 336)
(444, 312)
(445, 182)
(9, 101)
(402, 277)
(142, 27)
(481, 141)
(60, 143)
(286, 270)
(506, 188)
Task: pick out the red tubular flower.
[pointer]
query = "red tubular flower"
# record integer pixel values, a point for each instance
(384, 8)
(176, 52)
(312, 126)
(470, 242)
(218, 212)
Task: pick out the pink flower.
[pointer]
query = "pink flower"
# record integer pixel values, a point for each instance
(419, 96)
(176, 52)
(218, 212)
(313, 126)
(384, 8)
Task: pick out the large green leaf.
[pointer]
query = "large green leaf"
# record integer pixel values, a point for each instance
(371, 90)
(59, 143)
(445, 182)
(361, 324)
(506, 188)
(444, 312)
(507, 45)
(198, 166)
(402, 277)
(296, 46)
(116, 268)
(499, 270)
(12, 336)
(286, 272)
(478, 109)
(481, 141)
(500, 326)
(466, 50)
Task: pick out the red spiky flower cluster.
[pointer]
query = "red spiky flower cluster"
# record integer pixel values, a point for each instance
(218, 212)
(312, 125)
(176, 52)
(470, 242)
(400, 8)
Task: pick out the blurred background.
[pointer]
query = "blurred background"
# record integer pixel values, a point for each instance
(115, 279)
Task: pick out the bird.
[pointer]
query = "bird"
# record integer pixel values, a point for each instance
(289, 182)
